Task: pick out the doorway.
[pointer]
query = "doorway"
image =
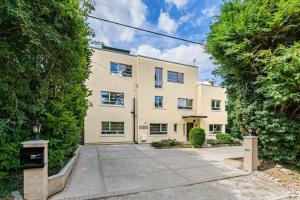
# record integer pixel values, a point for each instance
(189, 126)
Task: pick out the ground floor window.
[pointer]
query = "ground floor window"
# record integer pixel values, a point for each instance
(113, 128)
(215, 128)
(156, 128)
(175, 128)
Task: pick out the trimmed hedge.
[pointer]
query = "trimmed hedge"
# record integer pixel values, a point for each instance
(197, 137)
(224, 138)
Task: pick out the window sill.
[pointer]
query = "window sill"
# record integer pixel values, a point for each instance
(157, 135)
(112, 105)
(216, 110)
(184, 109)
(112, 135)
(159, 108)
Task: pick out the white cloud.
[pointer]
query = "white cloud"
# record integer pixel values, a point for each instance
(210, 11)
(177, 3)
(166, 24)
(185, 54)
(123, 11)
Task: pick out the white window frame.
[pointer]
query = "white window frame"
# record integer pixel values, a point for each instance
(120, 66)
(214, 106)
(161, 132)
(214, 131)
(188, 101)
(110, 102)
(117, 132)
(157, 83)
(157, 102)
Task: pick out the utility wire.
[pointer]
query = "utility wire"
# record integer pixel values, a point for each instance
(148, 31)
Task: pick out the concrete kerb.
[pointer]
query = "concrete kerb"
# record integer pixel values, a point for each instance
(57, 182)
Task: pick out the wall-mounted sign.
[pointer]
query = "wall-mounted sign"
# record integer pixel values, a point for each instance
(143, 127)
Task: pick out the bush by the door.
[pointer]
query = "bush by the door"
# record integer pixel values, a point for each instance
(197, 137)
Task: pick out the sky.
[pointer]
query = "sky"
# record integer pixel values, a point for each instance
(187, 19)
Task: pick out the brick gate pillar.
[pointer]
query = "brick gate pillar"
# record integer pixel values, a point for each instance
(250, 153)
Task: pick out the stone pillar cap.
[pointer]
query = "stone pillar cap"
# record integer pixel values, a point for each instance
(250, 136)
(35, 142)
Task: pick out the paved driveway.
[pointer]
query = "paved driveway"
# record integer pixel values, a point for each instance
(141, 172)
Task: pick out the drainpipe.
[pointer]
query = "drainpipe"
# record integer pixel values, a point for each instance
(134, 129)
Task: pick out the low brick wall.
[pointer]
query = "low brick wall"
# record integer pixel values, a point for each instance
(56, 183)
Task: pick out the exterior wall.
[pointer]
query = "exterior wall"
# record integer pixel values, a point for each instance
(169, 114)
(141, 88)
(206, 93)
(101, 80)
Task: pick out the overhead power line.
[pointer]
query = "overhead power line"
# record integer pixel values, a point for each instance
(148, 31)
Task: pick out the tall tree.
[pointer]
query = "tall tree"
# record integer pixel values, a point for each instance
(257, 46)
(44, 56)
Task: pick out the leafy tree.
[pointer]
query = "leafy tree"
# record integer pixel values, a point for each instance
(256, 45)
(44, 56)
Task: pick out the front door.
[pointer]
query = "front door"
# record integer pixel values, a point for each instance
(189, 126)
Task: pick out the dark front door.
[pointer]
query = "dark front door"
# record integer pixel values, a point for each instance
(189, 126)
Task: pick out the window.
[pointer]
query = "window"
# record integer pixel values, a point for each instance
(175, 77)
(112, 98)
(226, 105)
(116, 128)
(215, 128)
(158, 101)
(158, 128)
(175, 128)
(158, 77)
(215, 104)
(185, 103)
(122, 69)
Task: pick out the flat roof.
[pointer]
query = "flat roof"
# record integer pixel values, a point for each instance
(126, 52)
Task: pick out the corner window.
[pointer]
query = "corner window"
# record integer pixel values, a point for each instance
(122, 69)
(185, 103)
(112, 98)
(113, 128)
(158, 101)
(175, 77)
(175, 128)
(215, 104)
(215, 128)
(160, 129)
(158, 77)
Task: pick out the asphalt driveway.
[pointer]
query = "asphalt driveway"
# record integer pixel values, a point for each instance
(142, 172)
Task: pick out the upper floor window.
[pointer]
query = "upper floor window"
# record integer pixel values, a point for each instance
(158, 77)
(158, 101)
(215, 128)
(175, 77)
(156, 128)
(122, 69)
(215, 104)
(185, 103)
(226, 105)
(112, 98)
(112, 127)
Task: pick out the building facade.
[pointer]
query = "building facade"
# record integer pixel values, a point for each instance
(141, 99)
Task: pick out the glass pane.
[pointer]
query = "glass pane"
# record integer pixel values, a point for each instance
(180, 77)
(114, 67)
(164, 127)
(190, 103)
(172, 77)
(217, 104)
(116, 98)
(128, 71)
(105, 97)
(117, 126)
(182, 103)
(218, 128)
(158, 77)
(105, 126)
(211, 128)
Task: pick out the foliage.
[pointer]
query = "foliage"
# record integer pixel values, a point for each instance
(197, 137)
(256, 46)
(224, 138)
(44, 56)
(165, 143)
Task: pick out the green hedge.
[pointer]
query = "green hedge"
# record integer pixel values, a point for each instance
(197, 137)
(44, 58)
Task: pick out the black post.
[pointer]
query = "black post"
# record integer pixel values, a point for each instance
(133, 113)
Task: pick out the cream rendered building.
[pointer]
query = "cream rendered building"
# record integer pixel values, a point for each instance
(141, 99)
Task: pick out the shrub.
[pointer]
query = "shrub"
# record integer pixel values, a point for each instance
(197, 137)
(165, 143)
(212, 142)
(224, 138)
